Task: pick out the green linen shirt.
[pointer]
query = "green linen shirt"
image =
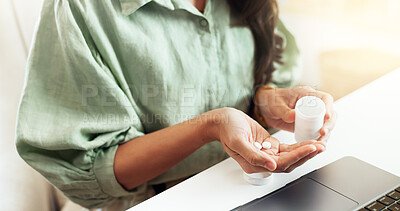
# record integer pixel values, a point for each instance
(101, 73)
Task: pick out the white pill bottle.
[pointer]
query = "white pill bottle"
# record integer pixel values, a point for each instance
(261, 178)
(310, 115)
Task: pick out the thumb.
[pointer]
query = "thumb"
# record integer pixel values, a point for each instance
(285, 113)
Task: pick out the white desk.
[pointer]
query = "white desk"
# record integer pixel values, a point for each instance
(368, 128)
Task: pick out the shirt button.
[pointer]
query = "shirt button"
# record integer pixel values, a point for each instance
(203, 23)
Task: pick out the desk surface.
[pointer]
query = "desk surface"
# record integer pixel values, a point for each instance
(368, 128)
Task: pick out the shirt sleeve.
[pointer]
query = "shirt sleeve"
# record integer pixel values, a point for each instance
(289, 73)
(73, 113)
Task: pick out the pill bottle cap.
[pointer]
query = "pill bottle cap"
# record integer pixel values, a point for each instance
(261, 178)
(310, 107)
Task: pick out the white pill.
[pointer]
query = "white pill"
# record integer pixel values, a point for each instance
(266, 145)
(257, 145)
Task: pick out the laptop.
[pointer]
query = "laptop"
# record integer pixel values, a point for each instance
(346, 184)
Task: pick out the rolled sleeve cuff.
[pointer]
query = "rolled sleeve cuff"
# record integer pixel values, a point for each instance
(104, 172)
(103, 168)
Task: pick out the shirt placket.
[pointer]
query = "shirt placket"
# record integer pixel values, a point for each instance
(209, 38)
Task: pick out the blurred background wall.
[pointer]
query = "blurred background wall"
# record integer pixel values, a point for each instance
(345, 43)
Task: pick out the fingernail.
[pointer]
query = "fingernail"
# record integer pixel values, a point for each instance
(324, 131)
(314, 148)
(323, 147)
(270, 166)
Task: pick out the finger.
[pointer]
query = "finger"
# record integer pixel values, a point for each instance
(280, 124)
(328, 100)
(278, 109)
(283, 112)
(301, 162)
(324, 139)
(247, 167)
(321, 145)
(288, 148)
(320, 148)
(294, 156)
(329, 125)
(252, 155)
(302, 91)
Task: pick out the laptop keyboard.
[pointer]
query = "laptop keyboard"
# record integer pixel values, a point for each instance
(390, 201)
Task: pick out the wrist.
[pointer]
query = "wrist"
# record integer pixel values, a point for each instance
(261, 99)
(215, 121)
(208, 126)
(261, 95)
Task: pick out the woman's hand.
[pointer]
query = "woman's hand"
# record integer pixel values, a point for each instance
(276, 106)
(237, 133)
(289, 157)
(150, 155)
